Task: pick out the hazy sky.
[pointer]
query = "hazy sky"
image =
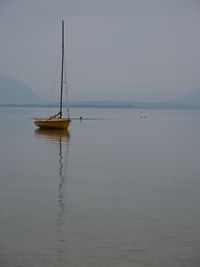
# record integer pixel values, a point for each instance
(115, 49)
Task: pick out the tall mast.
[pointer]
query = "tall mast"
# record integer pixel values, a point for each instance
(61, 90)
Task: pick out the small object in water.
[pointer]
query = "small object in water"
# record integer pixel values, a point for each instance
(140, 117)
(80, 118)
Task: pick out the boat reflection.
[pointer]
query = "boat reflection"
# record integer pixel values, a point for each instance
(52, 134)
(61, 139)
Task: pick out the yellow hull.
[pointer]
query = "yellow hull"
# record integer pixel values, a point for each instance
(54, 123)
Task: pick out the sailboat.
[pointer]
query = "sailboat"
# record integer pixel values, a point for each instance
(56, 121)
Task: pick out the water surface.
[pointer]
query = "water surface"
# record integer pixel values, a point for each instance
(121, 191)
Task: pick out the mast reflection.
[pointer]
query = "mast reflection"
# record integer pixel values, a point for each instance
(61, 138)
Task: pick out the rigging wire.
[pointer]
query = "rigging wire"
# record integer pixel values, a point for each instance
(53, 92)
(66, 88)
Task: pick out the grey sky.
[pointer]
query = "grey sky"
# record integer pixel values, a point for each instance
(116, 49)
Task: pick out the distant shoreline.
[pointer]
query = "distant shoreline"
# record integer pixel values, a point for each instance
(122, 105)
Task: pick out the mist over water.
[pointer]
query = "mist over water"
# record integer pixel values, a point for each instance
(120, 191)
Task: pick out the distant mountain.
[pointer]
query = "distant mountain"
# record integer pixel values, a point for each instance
(129, 104)
(191, 98)
(16, 92)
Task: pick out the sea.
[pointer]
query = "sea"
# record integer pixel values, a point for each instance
(120, 188)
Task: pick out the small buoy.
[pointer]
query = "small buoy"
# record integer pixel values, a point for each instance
(80, 118)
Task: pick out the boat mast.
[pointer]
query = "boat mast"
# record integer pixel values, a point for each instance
(61, 90)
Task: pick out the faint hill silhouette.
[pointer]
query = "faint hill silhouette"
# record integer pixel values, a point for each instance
(191, 98)
(16, 92)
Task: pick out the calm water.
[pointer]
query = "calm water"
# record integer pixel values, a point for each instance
(122, 191)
